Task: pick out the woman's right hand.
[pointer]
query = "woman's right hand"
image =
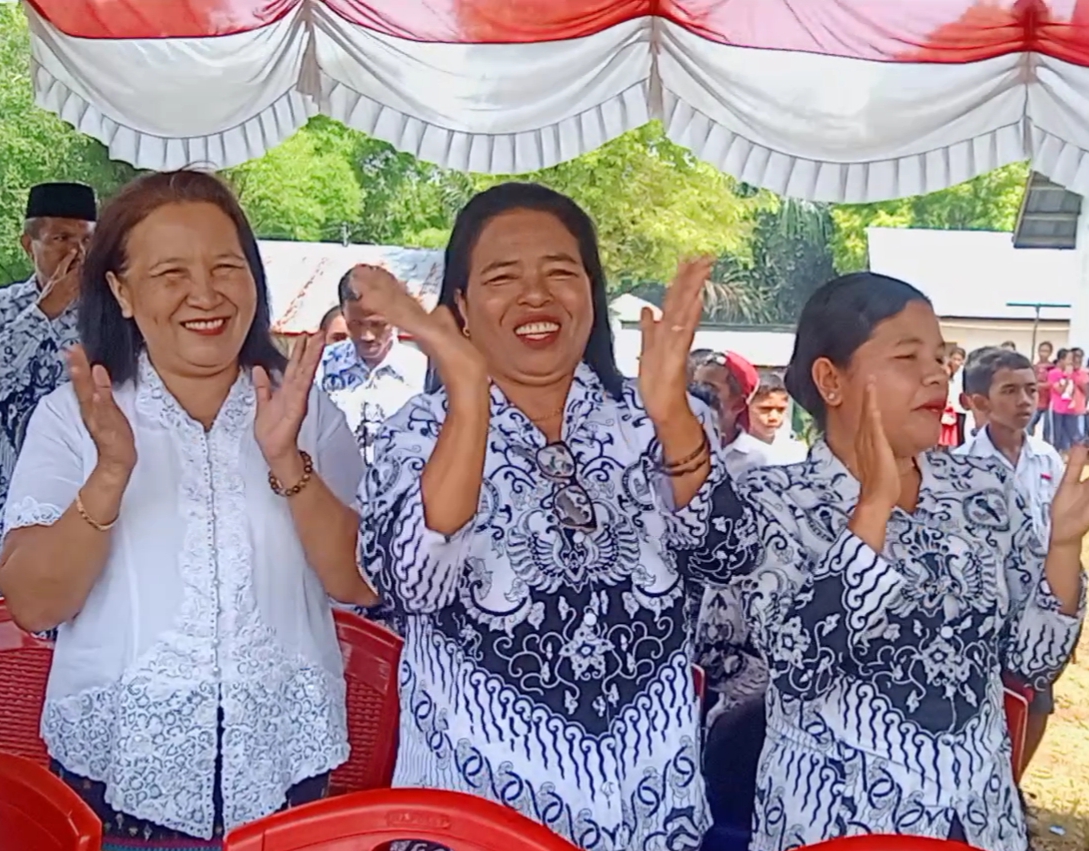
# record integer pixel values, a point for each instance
(106, 423)
(877, 472)
(459, 362)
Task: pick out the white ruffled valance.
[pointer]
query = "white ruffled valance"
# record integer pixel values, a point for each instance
(803, 124)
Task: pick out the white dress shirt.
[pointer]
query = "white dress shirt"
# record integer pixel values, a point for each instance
(367, 395)
(743, 453)
(1038, 473)
(206, 606)
(784, 449)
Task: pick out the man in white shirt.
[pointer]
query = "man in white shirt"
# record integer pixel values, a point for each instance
(768, 414)
(371, 375)
(1001, 385)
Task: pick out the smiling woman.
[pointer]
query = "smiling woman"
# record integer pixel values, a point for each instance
(182, 512)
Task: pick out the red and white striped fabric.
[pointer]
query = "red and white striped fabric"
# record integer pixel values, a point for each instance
(838, 100)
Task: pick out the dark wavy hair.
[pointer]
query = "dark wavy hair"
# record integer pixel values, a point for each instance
(472, 220)
(114, 341)
(838, 318)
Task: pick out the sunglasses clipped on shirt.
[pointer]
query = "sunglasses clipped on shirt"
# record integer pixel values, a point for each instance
(572, 503)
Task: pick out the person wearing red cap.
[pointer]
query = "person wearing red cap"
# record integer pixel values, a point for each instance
(733, 381)
(736, 676)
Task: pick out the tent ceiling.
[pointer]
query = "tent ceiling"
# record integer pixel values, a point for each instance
(836, 100)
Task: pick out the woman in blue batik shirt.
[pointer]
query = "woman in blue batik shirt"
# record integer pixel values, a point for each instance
(515, 517)
(889, 588)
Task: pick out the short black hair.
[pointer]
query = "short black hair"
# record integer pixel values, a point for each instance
(345, 293)
(979, 372)
(330, 316)
(770, 382)
(116, 342)
(696, 359)
(706, 394)
(487, 205)
(838, 318)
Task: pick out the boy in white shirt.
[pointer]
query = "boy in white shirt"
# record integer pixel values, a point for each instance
(769, 411)
(1001, 385)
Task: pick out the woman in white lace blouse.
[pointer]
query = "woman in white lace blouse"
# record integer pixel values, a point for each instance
(181, 510)
(890, 587)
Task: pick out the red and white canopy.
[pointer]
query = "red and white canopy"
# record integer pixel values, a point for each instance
(837, 100)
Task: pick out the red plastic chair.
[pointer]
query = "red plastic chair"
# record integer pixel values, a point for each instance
(366, 820)
(880, 842)
(24, 669)
(699, 679)
(371, 656)
(1017, 700)
(39, 812)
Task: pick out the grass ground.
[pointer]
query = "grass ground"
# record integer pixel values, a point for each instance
(1057, 782)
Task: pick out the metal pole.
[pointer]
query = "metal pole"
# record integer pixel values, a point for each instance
(1035, 328)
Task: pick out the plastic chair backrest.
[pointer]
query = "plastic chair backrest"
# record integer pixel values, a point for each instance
(39, 812)
(24, 670)
(1017, 700)
(699, 679)
(366, 820)
(880, 842)
(371, 657)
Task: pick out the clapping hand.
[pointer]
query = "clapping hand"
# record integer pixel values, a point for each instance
(1070, 507)
(105, 421)
(281, 409)
(663, 361)
(877, 471)
(457, 359)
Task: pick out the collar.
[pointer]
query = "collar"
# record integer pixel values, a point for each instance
(342, 357)
(586, 395)
(744, 444)
(155, 401)
(825, 465)
(982, 446)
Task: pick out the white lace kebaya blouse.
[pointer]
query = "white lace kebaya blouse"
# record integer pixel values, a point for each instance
(206, 604)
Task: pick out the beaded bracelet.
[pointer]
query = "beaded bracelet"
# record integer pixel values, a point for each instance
(90, 521)
(308, 471)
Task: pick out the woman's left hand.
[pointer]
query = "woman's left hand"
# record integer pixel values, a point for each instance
(1070, 507)
(663, 361)
(281, 410)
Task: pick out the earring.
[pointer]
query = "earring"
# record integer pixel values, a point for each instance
(831, 397)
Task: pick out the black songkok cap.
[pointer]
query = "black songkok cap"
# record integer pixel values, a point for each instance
(62, 201)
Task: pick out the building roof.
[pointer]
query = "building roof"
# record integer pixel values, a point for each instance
(976, 274)
(303, 277)
(628, 308)
(1048, 217)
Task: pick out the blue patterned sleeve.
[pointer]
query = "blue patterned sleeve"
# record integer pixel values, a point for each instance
(1039, 638)
(22, 328)
(415, 568)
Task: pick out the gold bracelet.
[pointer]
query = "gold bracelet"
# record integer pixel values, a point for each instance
(308, 471)
(94, 524)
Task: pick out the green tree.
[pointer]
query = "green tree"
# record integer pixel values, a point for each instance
(36, 147)
(990, 202)
(653, 202)
(328, 182)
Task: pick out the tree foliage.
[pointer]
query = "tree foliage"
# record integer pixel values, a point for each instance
(653, 202)
(990, 202)
(35, 146)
